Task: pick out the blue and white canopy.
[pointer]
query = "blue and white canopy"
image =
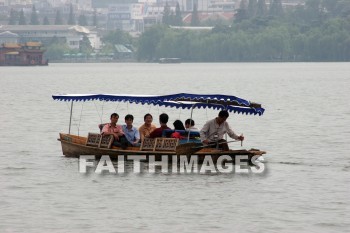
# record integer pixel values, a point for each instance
(180, 100)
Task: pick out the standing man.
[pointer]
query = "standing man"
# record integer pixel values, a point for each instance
(130, 132)
(214, 130)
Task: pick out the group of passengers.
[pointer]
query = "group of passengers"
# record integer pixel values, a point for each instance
(127, 135)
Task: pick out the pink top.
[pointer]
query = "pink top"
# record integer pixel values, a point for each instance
(108, 128)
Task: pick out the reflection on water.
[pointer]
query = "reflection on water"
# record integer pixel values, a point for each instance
(304, 130)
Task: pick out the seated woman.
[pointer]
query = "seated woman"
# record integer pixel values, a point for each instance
(178, 125)
(180, 132)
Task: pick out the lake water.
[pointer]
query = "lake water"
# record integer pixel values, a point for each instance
(305, 131)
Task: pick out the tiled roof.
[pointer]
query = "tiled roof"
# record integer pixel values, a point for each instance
(33, 44)
(11, 45)
(203, 16)
(8, 34)
(122, 49)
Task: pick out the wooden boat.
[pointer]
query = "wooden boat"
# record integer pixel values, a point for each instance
(95, 144)
(74, 146)
(167, 60)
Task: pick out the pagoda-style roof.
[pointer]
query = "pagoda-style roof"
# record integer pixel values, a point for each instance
(11, 45)
(12, 53)
(33, 44)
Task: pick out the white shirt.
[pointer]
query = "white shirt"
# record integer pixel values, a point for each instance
(192, 129)
(211, 128)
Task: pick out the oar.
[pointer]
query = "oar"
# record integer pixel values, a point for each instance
(192, 147)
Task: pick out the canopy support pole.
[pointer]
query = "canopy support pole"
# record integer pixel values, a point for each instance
(189, 129)
(70, 119)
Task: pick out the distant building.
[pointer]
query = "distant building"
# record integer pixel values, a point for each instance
(84, 5)
(17, 2)
(72, 35)
(8, 37)
(131, 17)
(106, 3)
(204, 16)
(28, 54)
(222, 6)
(122, 52)
(189, 28)
(119, 17)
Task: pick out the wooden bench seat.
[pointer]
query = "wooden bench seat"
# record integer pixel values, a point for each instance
(148, 144)
(97, 140)
(159, 144)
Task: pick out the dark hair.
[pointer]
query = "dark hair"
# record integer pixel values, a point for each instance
(114, 115)
(129, 117)
(178, 125)
(189, 122)
(223, 114)
(163, 118)
(147, 114)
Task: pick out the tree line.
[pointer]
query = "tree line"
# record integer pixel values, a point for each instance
(19, 18)
(316, 31)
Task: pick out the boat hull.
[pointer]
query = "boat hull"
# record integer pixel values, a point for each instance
(71, 148)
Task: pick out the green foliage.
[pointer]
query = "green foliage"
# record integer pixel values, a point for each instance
(261, 9)
(241, 12)
(82, 21)
(318, 31)
(13, 17)
(22, 19)
(107, 48)
(337, 8)
(276, 9)
(167, 17)
(85, 46)
(56, 48)
(178, 17)
(252, 8)
(149, 41)
(117, 37)
(95, 19)
(171, 18)
(46, 21)
(195, 18)
(71, 17)
(58, 18)
(34, 17)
